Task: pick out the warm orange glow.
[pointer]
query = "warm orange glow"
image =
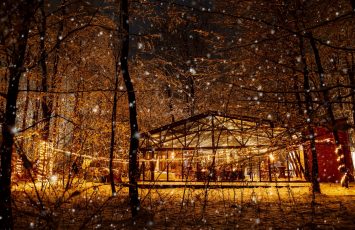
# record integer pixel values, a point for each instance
(271, 156)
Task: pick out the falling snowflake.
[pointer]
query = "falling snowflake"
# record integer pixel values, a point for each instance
(192, 71)
(95, 109)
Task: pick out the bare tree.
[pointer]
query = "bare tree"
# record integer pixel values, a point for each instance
(19, 25)
(134, 138)
(310, 114)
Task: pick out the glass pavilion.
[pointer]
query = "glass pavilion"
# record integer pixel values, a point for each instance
(218, 147)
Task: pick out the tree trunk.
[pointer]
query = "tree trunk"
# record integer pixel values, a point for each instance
(113, 130)
(134, 140)
(45, 100)
(55, 81)
(8, 126)
(341, 159)
(351, 76)
(192, 95)
(299, 104)
(309, 109)
(298, 96)
(25, 109)
(25, 113)
(170, 104)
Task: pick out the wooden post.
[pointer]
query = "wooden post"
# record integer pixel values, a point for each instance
(213, 151)
(143, 165)
(259, 169)
(269, 167)
(167, 166)
(287, 167)
(152, 166)
(182, 165)
(251, 169)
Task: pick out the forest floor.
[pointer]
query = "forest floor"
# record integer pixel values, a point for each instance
(90, 206)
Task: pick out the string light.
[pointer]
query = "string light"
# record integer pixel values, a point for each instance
(340, 160)
(341, 167)
(337, 149)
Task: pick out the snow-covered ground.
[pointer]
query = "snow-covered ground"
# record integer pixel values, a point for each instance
(90, 206)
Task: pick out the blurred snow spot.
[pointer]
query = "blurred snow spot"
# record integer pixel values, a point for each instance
(192, 71)
(53, 179)
(14, 130)
(137, 135)
(95, 109)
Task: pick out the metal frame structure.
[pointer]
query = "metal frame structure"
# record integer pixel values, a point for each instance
(215, 146)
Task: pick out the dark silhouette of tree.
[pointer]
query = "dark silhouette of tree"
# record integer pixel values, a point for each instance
(114, 120)
(17, 24)
(134, 137)
(310, 114)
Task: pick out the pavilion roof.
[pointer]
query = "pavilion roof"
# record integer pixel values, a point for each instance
(213, 130)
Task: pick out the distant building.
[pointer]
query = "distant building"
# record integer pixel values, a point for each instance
(326, 153)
